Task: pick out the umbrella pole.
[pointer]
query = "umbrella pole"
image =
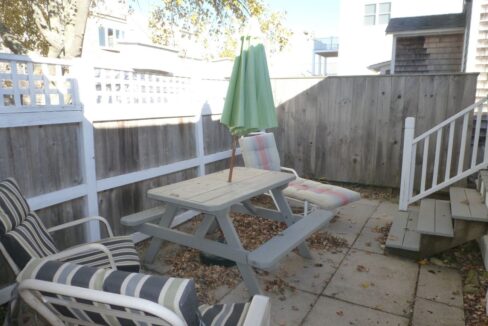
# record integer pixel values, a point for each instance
(233, 157)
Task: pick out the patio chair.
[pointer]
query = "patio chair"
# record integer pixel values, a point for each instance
(23, 236)
(259, 151)
(66, 293)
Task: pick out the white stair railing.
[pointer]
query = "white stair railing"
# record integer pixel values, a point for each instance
(448, 127)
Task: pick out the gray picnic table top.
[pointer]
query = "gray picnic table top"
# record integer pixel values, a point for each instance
(214, 196)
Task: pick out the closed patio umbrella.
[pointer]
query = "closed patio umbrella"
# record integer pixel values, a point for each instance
(249, 104)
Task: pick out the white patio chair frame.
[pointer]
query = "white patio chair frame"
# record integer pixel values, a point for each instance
(74, 250)
(30, 291)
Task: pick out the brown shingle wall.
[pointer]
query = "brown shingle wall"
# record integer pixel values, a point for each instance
(429, 54)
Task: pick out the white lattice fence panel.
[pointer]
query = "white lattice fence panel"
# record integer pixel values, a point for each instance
(26, 84)
(128, 87)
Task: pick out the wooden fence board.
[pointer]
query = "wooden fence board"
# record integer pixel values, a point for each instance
(41, 158)
(358, 124)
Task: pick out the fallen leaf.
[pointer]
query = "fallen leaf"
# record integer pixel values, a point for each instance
(361, 268)
(365, 285)
(340, 313)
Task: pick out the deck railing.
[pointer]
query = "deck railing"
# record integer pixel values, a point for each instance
(454, 164)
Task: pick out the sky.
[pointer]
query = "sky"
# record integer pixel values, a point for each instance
(318, 16)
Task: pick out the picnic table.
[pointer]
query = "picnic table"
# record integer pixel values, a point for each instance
(213, 196)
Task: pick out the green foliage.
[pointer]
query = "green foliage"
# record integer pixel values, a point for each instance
(215, 25)
(16, 20)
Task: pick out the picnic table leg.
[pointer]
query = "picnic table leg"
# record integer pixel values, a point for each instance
(206, 226)
(156, 243)
(287, 214)
(232, 240)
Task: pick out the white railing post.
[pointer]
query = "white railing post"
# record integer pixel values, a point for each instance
(407, 171)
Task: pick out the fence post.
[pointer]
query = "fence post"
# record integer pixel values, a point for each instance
(86, 98)
(406, 178)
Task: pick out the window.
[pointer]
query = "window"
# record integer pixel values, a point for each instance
(108, 37)
(384, 13)
(369, 14)
(377, 14)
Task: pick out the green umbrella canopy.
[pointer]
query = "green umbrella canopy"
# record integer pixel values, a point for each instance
(249, 104)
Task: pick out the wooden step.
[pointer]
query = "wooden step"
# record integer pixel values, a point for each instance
(435, 218)
(272, 251)
(403, 234)
(467, 204)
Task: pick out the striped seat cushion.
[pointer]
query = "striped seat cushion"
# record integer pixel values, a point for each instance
(260, 152)
(175, 294)
(323, 195)
(13, 206)
(123, 251)
(29, 239)
(232, 314)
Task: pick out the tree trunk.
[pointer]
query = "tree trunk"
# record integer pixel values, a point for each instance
(75, 33)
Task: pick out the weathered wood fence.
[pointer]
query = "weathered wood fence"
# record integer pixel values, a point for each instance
(350, 129)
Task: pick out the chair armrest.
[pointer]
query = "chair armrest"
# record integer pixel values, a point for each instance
(82, 221)
(84, 248)
(259, 313)
(289, 170)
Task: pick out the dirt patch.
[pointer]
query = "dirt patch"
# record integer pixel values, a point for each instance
(468, 260)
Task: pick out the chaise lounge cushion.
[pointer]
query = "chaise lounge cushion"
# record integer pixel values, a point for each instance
(175, 294)
(231, 314)
(323, 195)
(123, 252)
(13, 206)
(28, 239)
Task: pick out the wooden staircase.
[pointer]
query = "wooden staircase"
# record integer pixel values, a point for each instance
(438, 225)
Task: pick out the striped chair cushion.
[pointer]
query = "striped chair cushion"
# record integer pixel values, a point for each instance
(29, 239)
(13, 206)
(175, 294)
(232, 314)
(123, 251)
(323, 195)
(260, 152)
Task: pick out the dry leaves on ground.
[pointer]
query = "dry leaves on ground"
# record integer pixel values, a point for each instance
(383, 231)
(468, 260)
(186, 264)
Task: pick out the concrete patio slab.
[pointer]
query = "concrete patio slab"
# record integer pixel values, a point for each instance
(376, 281)
(310, 275)
(428, 313)
(350, 220)
(287, 309)
(368, 239)
(328, 311)
(440, 284)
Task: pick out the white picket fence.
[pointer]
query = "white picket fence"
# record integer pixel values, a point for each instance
(41, 91)
(438, 182)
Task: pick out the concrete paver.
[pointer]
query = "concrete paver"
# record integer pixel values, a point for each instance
(368, 239)
(310, 275)
(440, 284)
(376, 281)
(328, 311)
(428, 313)
(350, 220)
(287, 309)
